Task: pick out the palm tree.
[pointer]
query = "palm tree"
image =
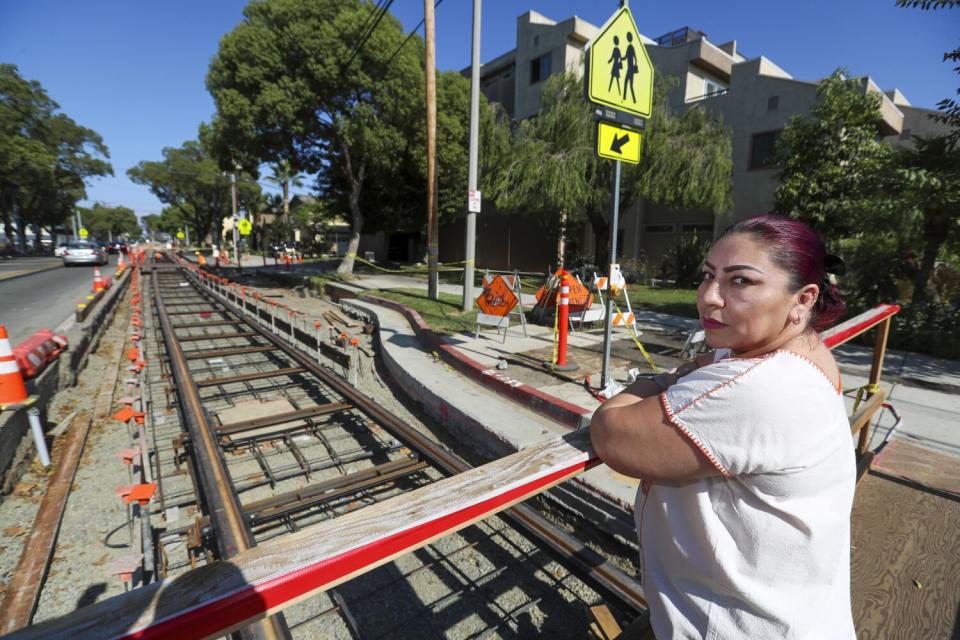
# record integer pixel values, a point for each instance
(285, 176)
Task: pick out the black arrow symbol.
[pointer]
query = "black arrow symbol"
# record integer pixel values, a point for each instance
(618, 143)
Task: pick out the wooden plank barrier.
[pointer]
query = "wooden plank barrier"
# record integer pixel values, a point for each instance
(223, 596)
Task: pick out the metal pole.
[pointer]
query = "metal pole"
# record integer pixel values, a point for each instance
(469, 253)
(614, 223)
(236, 237)
(33, 416)
(432, 222)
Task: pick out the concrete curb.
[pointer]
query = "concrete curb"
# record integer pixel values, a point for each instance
(16, 445)
(30, 273)
(564, 412)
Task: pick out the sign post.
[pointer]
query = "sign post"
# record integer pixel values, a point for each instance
(619, 81)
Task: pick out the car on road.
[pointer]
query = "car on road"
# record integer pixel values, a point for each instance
(60, 250)
(286, 247)
(116, 246)
(84, 253)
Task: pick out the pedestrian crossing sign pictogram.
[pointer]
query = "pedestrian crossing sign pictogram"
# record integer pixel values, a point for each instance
(244, 227)
(619, 71)
(618, 143)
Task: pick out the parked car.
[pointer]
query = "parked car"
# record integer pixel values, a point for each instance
(84, 253)
(286, 247)
(60, 250)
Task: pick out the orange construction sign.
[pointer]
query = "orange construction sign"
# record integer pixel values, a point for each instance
(497, 298)
(580, 297)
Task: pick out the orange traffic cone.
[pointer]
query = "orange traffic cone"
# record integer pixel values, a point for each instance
(120, 265)
(12, 389)
(98, 283)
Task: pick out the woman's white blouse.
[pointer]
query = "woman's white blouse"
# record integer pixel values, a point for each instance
(763, 549)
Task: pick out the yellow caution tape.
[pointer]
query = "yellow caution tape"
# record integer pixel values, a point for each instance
(633, 334)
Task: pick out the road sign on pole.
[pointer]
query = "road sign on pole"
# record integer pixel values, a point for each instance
(618, 143)
(245, 227)
(619, 71)
(181, 235)
(84, 233)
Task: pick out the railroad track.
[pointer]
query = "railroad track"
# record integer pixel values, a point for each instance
(255, 436)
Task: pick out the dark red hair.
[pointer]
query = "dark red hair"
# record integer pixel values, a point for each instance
(798, 250)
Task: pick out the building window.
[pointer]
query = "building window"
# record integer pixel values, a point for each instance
(773, 103)
(712, 88)
(540, 68)
(762, 150)
(658, 228)
(702, 230)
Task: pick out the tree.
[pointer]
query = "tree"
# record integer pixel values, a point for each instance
(294, 82)
(833, 163)
(926, 184)
(103, 221)
(552, 166)
(192, 183)
(45, 157)
(949, 107)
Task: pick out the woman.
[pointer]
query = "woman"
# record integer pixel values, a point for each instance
(745, 454)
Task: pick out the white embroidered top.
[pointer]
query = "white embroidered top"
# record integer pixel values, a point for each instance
(763, 549)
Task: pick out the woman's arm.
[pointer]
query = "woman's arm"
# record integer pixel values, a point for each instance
(632, 433)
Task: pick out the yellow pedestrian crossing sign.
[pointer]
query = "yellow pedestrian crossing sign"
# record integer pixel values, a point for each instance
(83, 232)
(619, 71)
(244, 227)
(618, 143)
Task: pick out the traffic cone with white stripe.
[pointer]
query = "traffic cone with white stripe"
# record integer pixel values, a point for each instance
(98, 283)
(12, 389)
(120, 265)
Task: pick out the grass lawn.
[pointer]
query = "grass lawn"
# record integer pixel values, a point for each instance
(678, 302)
(443, 315)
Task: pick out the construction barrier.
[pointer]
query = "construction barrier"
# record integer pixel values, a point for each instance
(36, 352)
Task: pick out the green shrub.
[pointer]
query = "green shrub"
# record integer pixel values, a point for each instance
(683, 261)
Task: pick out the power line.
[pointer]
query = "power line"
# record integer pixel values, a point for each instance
(363, 41)
(393, 55)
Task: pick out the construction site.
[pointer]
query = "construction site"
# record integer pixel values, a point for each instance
(229, 453)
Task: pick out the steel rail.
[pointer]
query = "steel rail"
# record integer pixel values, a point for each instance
(223, 504)
(613, 583)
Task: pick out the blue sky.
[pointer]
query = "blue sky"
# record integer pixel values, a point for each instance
(134, 70)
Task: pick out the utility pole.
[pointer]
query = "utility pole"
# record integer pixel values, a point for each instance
(473, 196)
(233, 201)
(433, 227)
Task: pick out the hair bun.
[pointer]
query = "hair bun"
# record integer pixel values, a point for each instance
(834, 265)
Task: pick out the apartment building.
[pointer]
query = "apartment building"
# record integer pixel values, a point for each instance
(752, 95)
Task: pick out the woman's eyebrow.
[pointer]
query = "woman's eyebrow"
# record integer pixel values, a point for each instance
(735, 267)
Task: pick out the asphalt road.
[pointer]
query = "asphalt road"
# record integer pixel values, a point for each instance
(41, 300)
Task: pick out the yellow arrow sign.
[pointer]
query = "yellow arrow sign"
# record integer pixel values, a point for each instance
(618, 143)
(620, 74)
(244, 227)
